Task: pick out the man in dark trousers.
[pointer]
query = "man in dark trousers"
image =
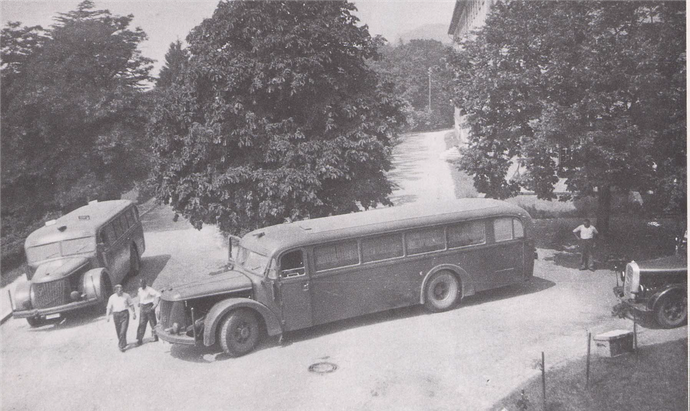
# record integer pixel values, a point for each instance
(586, 238)
(119, 305)
(148, 301)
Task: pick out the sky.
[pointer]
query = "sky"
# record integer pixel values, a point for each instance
(166, 21)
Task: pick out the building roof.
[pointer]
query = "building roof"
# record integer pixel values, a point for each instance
(274, 239)
(82, 222)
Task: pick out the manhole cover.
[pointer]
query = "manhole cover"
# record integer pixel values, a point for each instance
(323, 367)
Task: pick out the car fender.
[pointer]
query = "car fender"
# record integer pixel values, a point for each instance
(218, 311)
(21, 298)
(466, 287)
(91, 284)
(670, 289)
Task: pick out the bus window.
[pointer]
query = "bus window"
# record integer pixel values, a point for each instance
(110, 234)
(382, 248)
(469, 233)
(518, 230)
(119, 230)
(424, 241)
(336, 255)
(292, 264)
(503, 229)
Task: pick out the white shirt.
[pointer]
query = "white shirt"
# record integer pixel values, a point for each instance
(586, 233)
(118, 303)
(148, 295)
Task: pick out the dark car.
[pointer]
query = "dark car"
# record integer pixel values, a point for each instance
(658, 286)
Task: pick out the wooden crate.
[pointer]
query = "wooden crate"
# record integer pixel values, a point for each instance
(614, 343)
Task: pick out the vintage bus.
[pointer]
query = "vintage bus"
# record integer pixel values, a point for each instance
(74, 261)
(296, 275)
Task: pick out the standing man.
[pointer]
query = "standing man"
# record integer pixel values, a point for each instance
(148, 301)
(587, 235)
(119, 305)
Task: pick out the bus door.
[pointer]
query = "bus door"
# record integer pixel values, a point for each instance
(294, 292)
(508, 251)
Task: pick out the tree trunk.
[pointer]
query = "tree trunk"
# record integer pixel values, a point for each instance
(603, 209)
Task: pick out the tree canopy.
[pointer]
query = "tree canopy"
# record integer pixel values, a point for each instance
(277, 117)
(72, 121)
(418, 71)
(175, 60)
(593, 92)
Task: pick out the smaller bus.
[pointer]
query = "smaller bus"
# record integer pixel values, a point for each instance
(297, 275)
(74, 261)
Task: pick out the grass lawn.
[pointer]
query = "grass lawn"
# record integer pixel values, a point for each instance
(653, 379)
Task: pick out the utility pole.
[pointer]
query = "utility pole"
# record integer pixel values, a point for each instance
(429, 71)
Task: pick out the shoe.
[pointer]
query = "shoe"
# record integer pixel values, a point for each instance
(582, 268)
(122, 350)
(591, 269)
(139, 342)
(155, 339)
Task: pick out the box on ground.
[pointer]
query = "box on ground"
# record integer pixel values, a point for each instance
(614, 343)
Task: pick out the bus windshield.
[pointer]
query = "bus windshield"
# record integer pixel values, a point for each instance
(78, 246)
(252, 261)
(42, 252)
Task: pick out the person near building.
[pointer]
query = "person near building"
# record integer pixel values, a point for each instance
(587, 233)
(148, 301)
(119, 305)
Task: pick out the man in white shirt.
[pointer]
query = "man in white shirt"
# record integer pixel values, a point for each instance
(148, 301)
(119, 305)
(586, 239)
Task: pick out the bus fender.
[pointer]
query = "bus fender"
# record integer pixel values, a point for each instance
(218, 311)
(91, 284)
(466, 287)
(670, 289)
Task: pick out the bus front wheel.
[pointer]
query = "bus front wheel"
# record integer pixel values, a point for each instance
(239, 333)
(442, 292)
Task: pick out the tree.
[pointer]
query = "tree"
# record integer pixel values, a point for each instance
(175, 59)
(277, 117)
(418, 71)
(599, 84)
(72, 114)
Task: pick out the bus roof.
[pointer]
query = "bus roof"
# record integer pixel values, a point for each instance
(82, 222)
(270, 240)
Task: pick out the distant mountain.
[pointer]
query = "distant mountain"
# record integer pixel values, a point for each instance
(429, 31)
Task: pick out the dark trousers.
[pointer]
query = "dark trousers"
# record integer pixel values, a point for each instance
(121, 320)
(587, 259)
(147, 315)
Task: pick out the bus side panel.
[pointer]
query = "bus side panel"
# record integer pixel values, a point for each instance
(354, 291)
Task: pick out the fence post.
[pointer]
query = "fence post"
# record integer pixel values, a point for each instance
(543, 379)
(589, 344)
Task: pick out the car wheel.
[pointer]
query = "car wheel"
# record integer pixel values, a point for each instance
(671, 310)
(441, 292)
(134, 261)
(35, 321)
(239, 333)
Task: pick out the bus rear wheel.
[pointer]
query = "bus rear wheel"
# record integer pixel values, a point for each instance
(239, 333)
(441, 292)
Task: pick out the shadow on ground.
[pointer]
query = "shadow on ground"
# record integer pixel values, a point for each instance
(654, 378)
(211, 354)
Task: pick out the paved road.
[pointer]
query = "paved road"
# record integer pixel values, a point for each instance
(464, 359)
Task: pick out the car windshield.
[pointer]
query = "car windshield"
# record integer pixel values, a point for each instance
(42, 252)
(78, 246)
(252, 261)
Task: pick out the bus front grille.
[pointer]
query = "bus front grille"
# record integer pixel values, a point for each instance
(52, 294)
(172, 312)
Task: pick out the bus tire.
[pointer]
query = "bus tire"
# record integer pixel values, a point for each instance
(106, 291)
(239, 332)
(35, 321)
(671, 310)
(134, 261)
(442, 292)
